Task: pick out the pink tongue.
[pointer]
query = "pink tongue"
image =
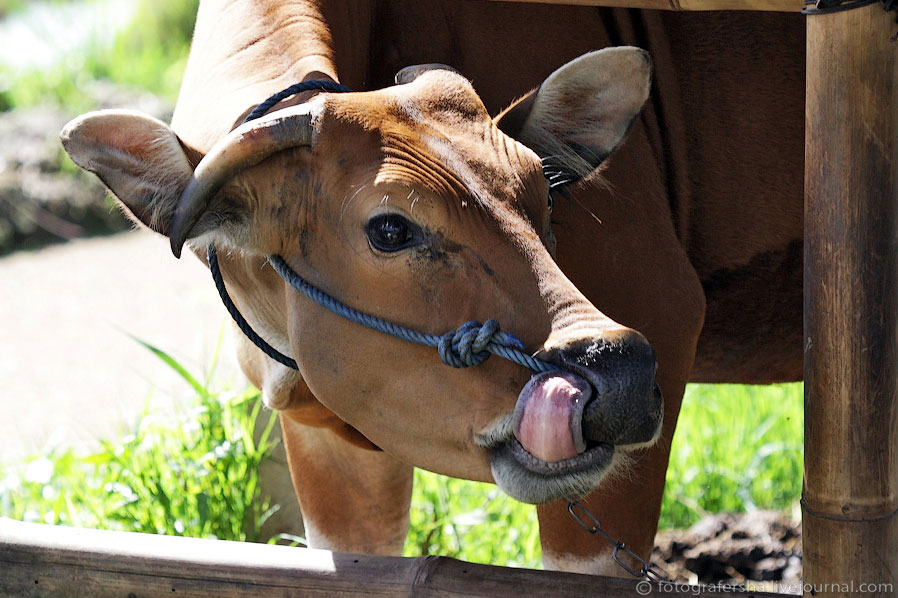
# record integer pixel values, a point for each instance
(547, 417)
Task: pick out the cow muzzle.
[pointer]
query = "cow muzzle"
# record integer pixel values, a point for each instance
(568, 425)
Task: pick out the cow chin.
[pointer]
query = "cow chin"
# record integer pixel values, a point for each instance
(531, 480)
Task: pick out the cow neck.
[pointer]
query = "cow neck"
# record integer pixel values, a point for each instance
(469, 344)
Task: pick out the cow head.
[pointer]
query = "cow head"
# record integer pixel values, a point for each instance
(412, 204)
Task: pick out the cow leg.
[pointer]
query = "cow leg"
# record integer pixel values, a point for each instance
(352, 499)
(619, 247)
(627, 505)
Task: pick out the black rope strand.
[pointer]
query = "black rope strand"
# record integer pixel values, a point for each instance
(823, 7)
(317, 85)
(244, 326)
(211, 254)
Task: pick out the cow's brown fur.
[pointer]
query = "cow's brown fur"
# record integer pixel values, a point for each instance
(698, 222)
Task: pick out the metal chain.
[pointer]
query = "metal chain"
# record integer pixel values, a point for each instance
(647, 569)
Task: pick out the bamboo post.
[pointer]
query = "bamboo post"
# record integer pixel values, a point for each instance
(62, 562)
(850, 495)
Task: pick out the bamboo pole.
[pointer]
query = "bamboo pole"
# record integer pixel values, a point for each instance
(850, 497)
(55, 562)
(766, 5)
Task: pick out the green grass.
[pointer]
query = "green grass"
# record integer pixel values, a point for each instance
(195, 474)
(11, 6)
(471, 521)
(736, 448)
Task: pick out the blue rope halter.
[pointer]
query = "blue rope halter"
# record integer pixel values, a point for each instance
(469, 344)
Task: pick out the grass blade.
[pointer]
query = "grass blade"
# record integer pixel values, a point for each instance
(171, 362)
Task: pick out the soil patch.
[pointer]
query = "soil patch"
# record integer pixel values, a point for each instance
(761, 549)
(44, 198)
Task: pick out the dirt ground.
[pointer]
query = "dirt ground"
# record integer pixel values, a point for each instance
(760, 550)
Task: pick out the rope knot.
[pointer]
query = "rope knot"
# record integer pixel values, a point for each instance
(473, 342)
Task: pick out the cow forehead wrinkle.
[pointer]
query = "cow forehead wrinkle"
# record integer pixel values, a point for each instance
(441, 139)
(466, 172)
(494, 169)
(483, 171)
(406, 163)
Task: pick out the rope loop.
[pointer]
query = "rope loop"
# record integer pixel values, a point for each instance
(212, 256)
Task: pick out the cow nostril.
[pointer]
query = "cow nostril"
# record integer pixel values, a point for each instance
(619, 363)
(626, 407)
(619, 419)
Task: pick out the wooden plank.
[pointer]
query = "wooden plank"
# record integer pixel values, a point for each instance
(766, 5)
(850, 498)
(53, 562)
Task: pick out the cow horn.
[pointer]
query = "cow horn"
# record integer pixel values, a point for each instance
(245, 146)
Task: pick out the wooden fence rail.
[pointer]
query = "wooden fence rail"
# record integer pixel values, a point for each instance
(765, 5)
(851, 446)
(47, 561)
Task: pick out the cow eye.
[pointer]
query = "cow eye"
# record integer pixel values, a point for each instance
(390, 232)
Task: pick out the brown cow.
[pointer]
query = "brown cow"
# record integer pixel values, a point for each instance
(413, 204)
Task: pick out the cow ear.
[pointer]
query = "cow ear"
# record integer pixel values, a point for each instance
(139, 159)
(582, 111)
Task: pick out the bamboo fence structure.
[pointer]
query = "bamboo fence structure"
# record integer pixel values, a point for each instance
(47, 561)
(850, 497)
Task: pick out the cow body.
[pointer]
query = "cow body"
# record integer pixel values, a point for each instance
(724, 129)
(693, 237)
